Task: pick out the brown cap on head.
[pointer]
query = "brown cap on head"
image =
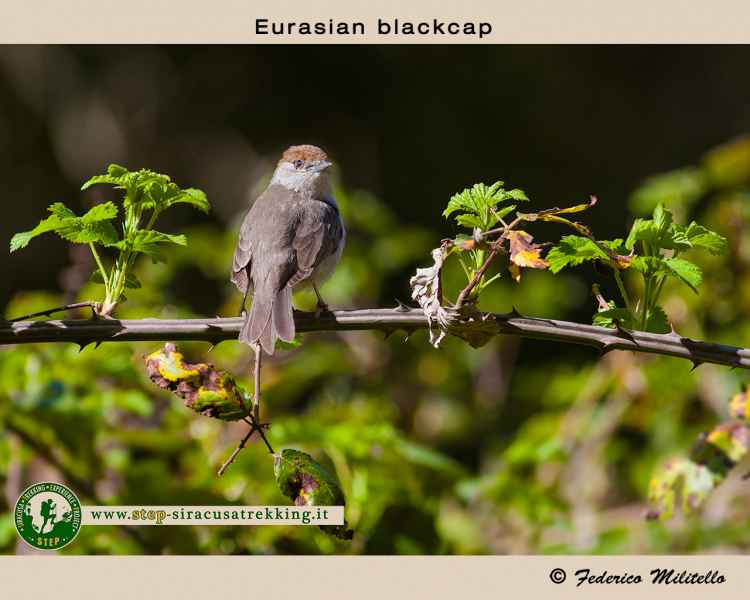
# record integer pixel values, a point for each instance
(306, 152)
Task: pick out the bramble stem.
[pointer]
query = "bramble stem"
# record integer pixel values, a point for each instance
(388, 320)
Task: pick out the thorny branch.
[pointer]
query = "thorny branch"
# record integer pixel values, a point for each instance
(387, 320)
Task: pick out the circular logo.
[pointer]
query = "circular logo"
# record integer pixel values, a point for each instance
(47, 515)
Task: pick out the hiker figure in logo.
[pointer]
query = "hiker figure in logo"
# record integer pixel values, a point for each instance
(48, 514)
(28, 519)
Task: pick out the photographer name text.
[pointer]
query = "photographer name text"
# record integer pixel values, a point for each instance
(655, 577)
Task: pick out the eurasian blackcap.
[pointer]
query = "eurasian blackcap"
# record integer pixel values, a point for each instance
(292, 236)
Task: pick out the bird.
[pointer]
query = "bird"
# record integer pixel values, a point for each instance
(291, 237)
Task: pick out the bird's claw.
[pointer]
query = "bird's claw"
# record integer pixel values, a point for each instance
(321, 309)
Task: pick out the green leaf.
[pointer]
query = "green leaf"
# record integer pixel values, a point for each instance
(640, 230)
(697, 236)
(22, 239)
(149, 189)
(518, 195)
(657, 232)
(573, 250)
(662, 233)
(470, 221)
(479, 201)
(94, 226)
(307, 483)
(115, 175)
(149, 241)
(688, 272)
(616, 245)
(100, 212)
(613, 317)
(192, 196)
(504, 211)
(160, 196)
(650, 265)
(662, 219)
(463, 201)
(657, 321)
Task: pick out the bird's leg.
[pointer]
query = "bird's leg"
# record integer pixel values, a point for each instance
(322, 306)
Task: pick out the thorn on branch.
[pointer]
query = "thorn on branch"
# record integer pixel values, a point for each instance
(94, 306)
(400, 306)
(621, 331)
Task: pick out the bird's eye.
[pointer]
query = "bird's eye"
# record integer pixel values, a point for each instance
(298, 163)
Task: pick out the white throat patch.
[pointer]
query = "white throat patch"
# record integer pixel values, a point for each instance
(296, 180)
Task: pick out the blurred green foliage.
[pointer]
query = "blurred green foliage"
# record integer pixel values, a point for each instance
(506, 449)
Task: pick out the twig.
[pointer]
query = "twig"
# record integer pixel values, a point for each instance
(254, 419)
(237, 450)
(478, 275)
(256, 382)
(387, 320)
(254, 426)
(50, 311)
(264, 438)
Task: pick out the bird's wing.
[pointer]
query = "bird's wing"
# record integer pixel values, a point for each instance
(243, 255)
(316, 238)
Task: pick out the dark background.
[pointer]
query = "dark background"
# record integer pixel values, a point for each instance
(413, 124)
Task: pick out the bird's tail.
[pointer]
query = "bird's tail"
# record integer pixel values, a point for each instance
(270, 318)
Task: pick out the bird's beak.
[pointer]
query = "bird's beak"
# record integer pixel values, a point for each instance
(321, 166)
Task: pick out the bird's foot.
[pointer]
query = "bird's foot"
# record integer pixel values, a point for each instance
(321, 309)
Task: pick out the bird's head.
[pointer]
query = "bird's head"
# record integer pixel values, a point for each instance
(304, 166)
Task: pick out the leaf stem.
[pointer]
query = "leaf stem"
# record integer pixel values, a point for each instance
(102, 270)
(623, 292)
(646, 301)
(152, 220)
